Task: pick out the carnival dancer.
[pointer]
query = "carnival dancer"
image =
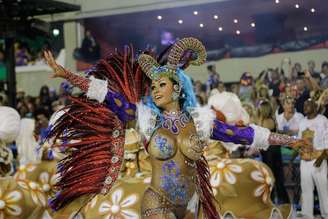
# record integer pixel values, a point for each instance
(174, 128)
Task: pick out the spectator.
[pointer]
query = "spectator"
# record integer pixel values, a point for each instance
(293, 74)
(246, 87)
(302, 95)
(20, 95)
(250, 109)
(235, 89)
(313, 129)
(272, 156)
(323, 103)
(90, 50)
(23, 57)
(298, 67)
(311, 68)
(221, 87)
(261, 79)
(52, 94)
(288, 121)
(324, 75)
(31, 108)
(263, 94)
(274, 82)
(288, 90)
(22, 109)
(41, 123)
(200, 91)
(213, 78)
(45, 99)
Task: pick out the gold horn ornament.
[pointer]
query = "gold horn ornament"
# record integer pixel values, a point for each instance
(183, 45)
(153, 70)
(147, 64)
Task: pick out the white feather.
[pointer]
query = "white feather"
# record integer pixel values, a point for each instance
(9, 124)
(229, 104)
(146, 120)
(203, 118)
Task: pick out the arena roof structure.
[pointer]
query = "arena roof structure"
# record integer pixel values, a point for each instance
(17, 17)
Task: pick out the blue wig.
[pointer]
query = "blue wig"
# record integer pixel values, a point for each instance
(187, 95)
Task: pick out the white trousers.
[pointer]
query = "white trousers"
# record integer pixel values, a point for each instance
(310, 176)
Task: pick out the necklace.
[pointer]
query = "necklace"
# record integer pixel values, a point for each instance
(174, 120)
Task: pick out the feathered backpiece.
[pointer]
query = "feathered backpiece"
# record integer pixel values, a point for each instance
(93, 135)
(123, 73)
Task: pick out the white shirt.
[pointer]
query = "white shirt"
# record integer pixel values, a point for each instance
(292, 124)
(319, 125)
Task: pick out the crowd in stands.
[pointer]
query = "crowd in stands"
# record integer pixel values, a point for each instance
(25, 54)
(292, 102)
(277, 99)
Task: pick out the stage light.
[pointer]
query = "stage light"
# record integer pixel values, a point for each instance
(312, 10)
(216, 17)
(253, 24)
(195, 12)
(55, 32)
(180, 21)
(159, 17)
(305, 29)
(201, 25)
(235, 21)
(237, 32)
(220, 29)
(297, 6)
(277, 1)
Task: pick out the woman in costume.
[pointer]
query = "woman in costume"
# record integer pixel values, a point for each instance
(174, 128)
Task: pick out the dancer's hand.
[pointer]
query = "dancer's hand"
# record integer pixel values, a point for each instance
(59, 71)
(320, 159)
(300, 144)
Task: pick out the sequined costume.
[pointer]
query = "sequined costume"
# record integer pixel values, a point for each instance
(175, 141)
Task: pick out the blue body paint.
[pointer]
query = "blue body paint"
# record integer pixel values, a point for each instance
(166, 150)
(172, 183)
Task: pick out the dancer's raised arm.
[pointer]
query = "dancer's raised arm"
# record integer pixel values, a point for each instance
(95, 89)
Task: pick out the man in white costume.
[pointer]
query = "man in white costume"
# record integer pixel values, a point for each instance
(313, 128)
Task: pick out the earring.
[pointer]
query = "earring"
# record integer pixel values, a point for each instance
(175, 96)
(176, 87)
(176, 92)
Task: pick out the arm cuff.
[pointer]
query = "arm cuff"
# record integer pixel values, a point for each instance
(261, 137)
(97, 89)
